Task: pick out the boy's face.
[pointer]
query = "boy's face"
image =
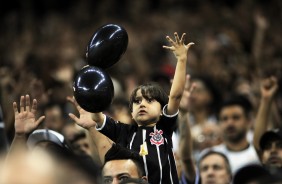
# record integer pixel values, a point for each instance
(145, 111)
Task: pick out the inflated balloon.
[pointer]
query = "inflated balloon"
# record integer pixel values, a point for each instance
(93, 89)
(106, 46)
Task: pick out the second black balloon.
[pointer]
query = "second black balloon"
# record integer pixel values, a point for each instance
(106, 46)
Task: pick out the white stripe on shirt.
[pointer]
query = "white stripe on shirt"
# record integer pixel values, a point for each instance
(159, 159)
(144, 156)
(130, 145)
(171, 181)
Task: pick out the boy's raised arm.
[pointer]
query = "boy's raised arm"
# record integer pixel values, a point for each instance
(180, 51)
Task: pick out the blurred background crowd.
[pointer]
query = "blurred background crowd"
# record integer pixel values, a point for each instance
(43, 46)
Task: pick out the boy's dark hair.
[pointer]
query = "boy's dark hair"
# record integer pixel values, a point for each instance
(150, 90)
(117, 152)
(237, 99)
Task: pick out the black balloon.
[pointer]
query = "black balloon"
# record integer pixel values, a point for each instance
(106, 46)
(93, 89)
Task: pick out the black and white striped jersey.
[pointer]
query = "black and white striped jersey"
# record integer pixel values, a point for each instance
(159, 163)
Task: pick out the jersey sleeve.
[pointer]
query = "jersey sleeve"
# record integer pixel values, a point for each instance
(168, 122)
(113, 129)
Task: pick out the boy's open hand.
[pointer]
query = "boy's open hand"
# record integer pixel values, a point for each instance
(85, 118)
(178, 46)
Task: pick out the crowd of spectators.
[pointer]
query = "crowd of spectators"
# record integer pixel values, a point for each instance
(237, 45)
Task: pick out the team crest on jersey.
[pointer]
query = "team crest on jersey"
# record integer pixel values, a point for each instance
(157, 138)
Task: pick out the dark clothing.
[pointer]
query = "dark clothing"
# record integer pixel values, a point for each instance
(4, 146)
(184, 180)
(159, 163)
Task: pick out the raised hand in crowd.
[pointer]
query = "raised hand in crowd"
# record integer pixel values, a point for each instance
(25, 117)
(186, 97)
(185, 137)
(180, 50)
(269, 87)
(25, 123)
(178, 47)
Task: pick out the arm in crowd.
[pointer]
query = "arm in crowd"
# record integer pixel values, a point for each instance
(261, 25)
(186, 143)
(268, 88)
(180, 50)
(85, 120)
(25, 123)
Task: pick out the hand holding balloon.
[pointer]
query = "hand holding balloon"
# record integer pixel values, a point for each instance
(85, 118)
